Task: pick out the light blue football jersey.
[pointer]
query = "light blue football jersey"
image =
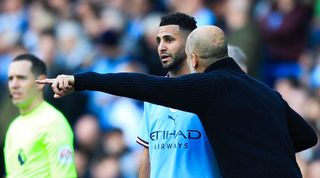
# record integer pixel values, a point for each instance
(177, 142)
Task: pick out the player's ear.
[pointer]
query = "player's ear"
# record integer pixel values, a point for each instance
(41, 77)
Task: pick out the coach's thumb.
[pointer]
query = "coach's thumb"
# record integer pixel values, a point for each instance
(57, 96)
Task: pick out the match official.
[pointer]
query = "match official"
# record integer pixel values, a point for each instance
(39, 142)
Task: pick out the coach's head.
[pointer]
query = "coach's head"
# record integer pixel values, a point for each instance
(205, 45)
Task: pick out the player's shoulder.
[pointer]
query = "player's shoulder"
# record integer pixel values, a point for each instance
(147, 106)
(154, 108)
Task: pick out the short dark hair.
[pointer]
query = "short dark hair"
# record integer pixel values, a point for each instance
(38, 66)
(182, 20)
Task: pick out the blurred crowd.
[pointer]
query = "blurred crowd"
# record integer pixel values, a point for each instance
(281, 39)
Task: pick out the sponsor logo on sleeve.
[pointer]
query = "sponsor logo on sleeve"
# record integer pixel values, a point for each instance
(65, 155)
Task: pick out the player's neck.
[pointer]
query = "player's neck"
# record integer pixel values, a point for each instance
(181, 70)
(28, 109)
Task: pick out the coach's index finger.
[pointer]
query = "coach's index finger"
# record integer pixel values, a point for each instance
(46, 81)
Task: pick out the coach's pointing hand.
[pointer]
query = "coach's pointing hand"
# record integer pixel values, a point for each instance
(62, 85)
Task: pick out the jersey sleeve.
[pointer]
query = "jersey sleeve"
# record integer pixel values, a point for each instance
(143, 135)
(58, 142)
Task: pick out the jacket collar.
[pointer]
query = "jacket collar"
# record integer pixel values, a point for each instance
(224, 63)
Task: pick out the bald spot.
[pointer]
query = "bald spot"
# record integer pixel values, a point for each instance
(208, 42)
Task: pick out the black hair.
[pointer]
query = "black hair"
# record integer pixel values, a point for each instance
(38, 66)
(184, 21)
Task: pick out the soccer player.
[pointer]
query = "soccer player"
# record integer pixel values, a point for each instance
(170, 136)
(39, 142)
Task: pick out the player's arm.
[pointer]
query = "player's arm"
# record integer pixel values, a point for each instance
(58, 142)
(143, 140)
(144, 168)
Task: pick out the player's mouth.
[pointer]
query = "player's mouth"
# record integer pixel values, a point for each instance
(165, 58)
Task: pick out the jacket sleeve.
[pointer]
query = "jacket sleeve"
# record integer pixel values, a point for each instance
(185, 93)
(302, 134)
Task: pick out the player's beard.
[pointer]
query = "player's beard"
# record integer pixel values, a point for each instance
(176, 62)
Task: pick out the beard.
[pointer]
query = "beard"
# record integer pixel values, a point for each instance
(175, 63)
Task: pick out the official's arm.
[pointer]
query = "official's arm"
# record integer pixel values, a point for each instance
(58, 142)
